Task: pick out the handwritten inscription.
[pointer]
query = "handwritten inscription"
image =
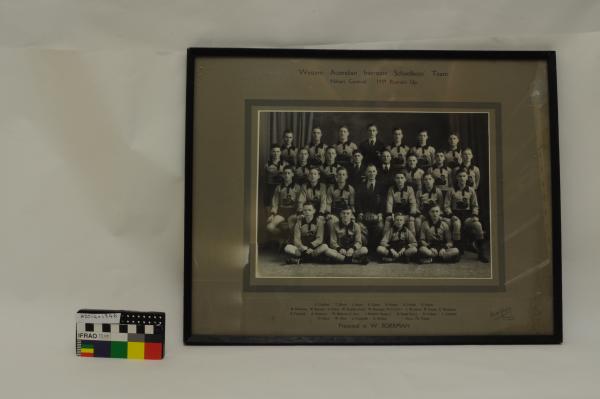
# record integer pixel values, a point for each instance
(505, 313)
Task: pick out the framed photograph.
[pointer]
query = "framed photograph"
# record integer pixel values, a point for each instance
(371, 197)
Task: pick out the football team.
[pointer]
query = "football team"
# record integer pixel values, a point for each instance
(352, 203)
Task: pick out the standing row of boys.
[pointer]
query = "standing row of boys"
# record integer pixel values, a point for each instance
(344, 201)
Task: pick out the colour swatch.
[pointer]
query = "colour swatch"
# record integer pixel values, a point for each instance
(120, 334)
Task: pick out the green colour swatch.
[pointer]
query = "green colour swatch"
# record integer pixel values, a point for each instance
(118, 349)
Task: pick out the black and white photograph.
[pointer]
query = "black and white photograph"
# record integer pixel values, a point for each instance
(371, 193)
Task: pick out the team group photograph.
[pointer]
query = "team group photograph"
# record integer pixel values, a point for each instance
(367, 188)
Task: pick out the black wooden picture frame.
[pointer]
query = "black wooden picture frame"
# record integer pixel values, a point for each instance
(237, 55)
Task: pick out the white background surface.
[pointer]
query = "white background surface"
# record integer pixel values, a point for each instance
(91, 166)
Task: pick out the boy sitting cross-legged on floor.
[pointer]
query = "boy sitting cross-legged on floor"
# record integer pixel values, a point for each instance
(345, 241)
(398, 243)
(307, 243)
(436, 240)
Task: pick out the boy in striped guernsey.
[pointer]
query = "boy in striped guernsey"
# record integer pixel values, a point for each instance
(345, 242)
(344, 147)
(302, 167)
(273, 172)
(340, 195)
(314, 192)
(461, 204)
(441, 173)
(436, 240)
(330, 166)
(429, 196)
(454, 154)
(424, 152)
(398, 150)
(285, 204)
(472, 171)
(401, 199)
(398, 242)
(289, 151)
(413, 173)
(316, 149)
(307, 243)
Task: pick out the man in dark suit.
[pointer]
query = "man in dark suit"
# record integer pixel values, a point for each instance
(356, 171)
(372, 147)
(370, 207)
(387, 170)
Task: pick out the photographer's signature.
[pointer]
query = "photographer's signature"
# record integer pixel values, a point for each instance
(504, 313)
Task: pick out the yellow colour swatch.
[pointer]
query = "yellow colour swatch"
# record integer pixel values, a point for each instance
(135, 350)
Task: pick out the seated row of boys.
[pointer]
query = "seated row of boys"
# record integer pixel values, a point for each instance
(372, 201)
(346, 244)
